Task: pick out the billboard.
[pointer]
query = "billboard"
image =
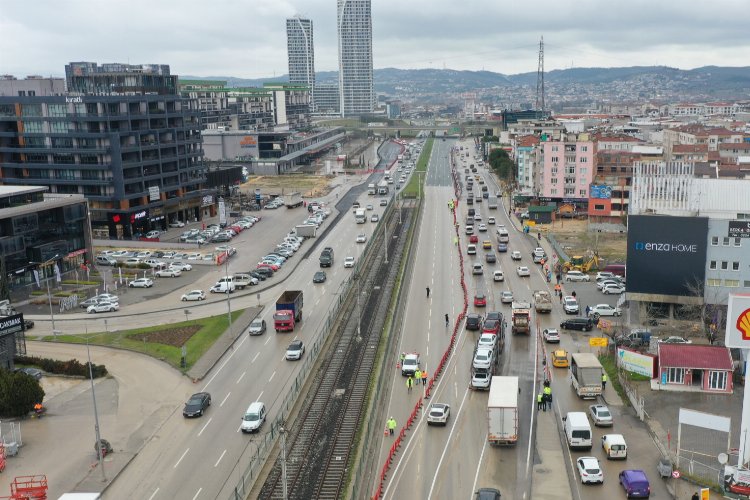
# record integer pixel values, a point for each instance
(666, 255)
(738, 321)
(739, 229)
(635, 362)
(600, 191)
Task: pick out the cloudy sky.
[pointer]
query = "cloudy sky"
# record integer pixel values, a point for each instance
(247, 38)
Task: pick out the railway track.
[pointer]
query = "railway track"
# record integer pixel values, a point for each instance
(321, 439)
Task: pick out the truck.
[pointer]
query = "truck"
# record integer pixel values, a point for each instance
(520, 318)
(502, 411)
(326, 257)
(288, 311)
(492, 202)
(410, 364)
(293, 200)
(306, 230)
(586, 375)
(383, 187)
(371, 188)
(542, 301)
(359, 216)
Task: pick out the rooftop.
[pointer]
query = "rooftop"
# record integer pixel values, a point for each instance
(695, 356)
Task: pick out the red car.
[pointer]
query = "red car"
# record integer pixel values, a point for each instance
(272, 267)
(491, 326)
(236, 229)
(480, 300)
(473, 238)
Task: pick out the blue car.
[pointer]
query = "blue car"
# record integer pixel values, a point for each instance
(502, 247)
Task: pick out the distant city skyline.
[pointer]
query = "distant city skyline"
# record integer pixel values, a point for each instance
(195, 40)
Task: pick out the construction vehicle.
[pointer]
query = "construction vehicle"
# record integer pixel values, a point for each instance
(542, 301)
(579, 263)
(520, 317)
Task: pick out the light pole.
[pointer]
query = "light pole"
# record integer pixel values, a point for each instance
(96, 413)
(49, 293)
(229, 302)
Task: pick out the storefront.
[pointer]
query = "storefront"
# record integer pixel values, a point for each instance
(690, 367)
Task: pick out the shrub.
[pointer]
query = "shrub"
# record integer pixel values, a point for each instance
(70, 367)
(18, 393)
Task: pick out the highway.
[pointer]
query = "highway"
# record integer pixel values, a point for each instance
(455, 461)
(203, 457)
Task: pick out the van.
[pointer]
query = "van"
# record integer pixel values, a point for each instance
(584, 324)
(614, 446)
(502, 235)
(635, 483)
(254, 417)
(618, 269)
(105, 260)
(577, 431)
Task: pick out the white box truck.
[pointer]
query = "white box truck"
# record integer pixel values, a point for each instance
(502, 411)
(492, 202)
(586, 375)
(293, 200)
(359, 216)
(306, 230)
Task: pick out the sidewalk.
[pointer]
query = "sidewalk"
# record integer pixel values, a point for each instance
(549, 481)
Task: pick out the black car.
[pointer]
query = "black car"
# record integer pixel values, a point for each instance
(265, 271)
(259, 276)
(485, 195)
(221, 238)
(496, 315)
(197, 404)
(490, 257)
(319, 277)
(488, 494)
(585, 324)
(473, 321)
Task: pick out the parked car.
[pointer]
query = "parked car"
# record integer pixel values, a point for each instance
(141, 283)
(194, 295)
(675, 340)
(570, 305)
(182, 266)
(604, 310)
(103, 307)
(584, 324)
(613, 289)
(196, 405)
(576, 276)
(170, 272)
(176, 223)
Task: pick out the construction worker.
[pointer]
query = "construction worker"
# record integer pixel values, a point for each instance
(409, 384)
(403, 356)
(446, 319)
(424, 377)
(428, 292)
(604, 381)
(391, 425)
(548, 395)
(539, 401)
(417, 376)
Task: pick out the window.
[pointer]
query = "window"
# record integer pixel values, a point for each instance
(584, 149)
(732, 283)
(735, 266)
(725, 241)
(553, 180)
(724, 265)
(598, 207)
(737, 242)
(713, 282)
(717, 380)
(583, 170)
(32, 127)
(554, 148)
(555, 159)
(584, 160)
(743, 216)
(582, 193)
(675, 375)
(712, 265)
(57, 109)
(553, 191)
(714, 241)
(31, 110)
(59, 127)
(554, 171)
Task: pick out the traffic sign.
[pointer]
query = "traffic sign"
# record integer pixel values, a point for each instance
(598, 341)
(676, 474)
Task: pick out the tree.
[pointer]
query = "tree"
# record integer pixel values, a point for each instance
(18, 393)
(502, 164)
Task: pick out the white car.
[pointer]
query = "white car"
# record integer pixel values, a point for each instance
(601, 416)
(576, 276)
(438, 414)
(349, 262)
(152, 234)
(481, 379)
(601, 285)
(604, 310)
(193, 256)
(589, 470)
(498, 275)
(515, 255)
(295, 350)
(506, 297)
(570, 304)
(194, 295)
(523, 271)
(487, 340)
(551, 335)
(176, 223)
(482, 228)
(477, 217)
(168, 255)
(490, 220)
(171, 272)
(613, 289)
(361, 238)
(182, 266)
(141, 283)
(103, 307)
(604, 275)
(483, 358)
(477, 269)
(107, 297)
(369, 207)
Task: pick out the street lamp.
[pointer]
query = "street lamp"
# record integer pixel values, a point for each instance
(96, 413)
(49, 293)
(229, 302)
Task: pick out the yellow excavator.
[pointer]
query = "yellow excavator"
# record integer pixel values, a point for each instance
(579, 263)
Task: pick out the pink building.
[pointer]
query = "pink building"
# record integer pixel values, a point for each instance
(567, 169)
(686, 367)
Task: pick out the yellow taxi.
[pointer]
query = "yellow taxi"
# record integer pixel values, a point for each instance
(560, 358)
(487, 245)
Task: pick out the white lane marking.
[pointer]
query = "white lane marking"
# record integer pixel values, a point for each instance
(479, 467)
(204, 427)
(238, 380)
(225, 399)
(197, 493)
(180, 460)
(272, 376)
(260, 395)
(447, 444)
(239, 428)
(266, 342)
(222, 456)
(244, 338)
(153, 494)
(255, 357)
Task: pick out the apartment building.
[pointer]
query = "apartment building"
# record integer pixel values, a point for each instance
(301, 54)
(525, 149)
(566, 168)
(354, 29)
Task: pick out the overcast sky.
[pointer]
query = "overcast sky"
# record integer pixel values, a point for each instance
(247, 38)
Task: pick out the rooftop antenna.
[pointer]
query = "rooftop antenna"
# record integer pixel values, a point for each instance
(540, 77)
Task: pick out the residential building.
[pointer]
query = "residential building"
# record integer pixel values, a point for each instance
(526, 160)
(354, 29)
(301, 54)
(134, 157)
(566, 169)
(327, 99)
(291, 104)
(698, 134)
(88, 78)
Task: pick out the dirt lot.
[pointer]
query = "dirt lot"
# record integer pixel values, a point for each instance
(576, 240)
(309, 185)
(175, 337)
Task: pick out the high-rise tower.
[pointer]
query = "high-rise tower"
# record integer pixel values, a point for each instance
(301, 53)
(354, 28)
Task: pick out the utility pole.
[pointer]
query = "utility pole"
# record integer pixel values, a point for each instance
(540, 78)
(96, 413)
